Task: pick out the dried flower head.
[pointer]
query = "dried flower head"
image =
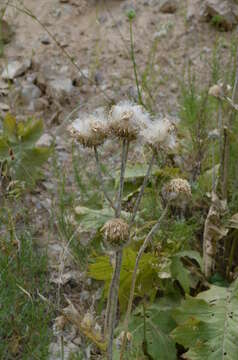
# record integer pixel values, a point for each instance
(177, 190)
(216, 90)
(116, 233)
(127, 120)
(159, 134)
(90, 130)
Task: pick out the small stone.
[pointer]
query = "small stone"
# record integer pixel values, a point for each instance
(77, 341)
(45, 140)
(15, 68)
(29, 92)
(45, 40)
(98, 77)
(174, 87)
(4, 107)
(168, 6)
(5, 32)
(31, 78)
(60, 87)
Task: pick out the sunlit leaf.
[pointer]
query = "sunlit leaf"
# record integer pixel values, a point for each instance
(10, 128)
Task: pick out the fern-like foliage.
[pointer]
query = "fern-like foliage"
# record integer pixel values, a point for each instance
(207, 324)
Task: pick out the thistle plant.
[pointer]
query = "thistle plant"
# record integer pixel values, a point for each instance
(127, 122)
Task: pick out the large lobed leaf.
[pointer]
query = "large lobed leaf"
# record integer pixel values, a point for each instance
(158, 322)
(147, 278)
(207, 324)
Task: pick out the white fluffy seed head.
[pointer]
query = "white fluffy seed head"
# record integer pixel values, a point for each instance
(159, 134)
(127, 120)
(90, 130)
(176, 191)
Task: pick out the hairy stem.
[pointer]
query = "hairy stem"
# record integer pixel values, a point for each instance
(125, 148)
(107, 197)
(114, 301)
(114, 286)
(134, 275)
(142, 189)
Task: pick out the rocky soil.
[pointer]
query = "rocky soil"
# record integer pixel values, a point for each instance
(61, 57)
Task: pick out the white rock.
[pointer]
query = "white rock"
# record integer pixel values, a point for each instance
(15, 68)
(45, 140)
(60, 87)
(4, 107)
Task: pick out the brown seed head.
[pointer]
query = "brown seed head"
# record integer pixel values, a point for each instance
(176, 189)
(116, 233)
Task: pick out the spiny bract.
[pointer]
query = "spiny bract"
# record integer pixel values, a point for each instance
(176, 190)
(116, 233)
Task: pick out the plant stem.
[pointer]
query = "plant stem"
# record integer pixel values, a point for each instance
(134, 275)
(142, 190)
(113, 311)
(231, 256)
(62, 347)
(135, 66)
(125, 148)
(107, 197)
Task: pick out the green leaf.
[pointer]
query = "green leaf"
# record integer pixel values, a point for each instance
(158, 324)
(180, 273)
(27, 164)
(10, 128)
(207, 324)
(147, 278)
(4, 149)
(94, 219)
(192, 255)
(205, 180)
(29, 132)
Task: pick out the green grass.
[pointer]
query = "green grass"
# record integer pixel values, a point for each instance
(25, 319)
